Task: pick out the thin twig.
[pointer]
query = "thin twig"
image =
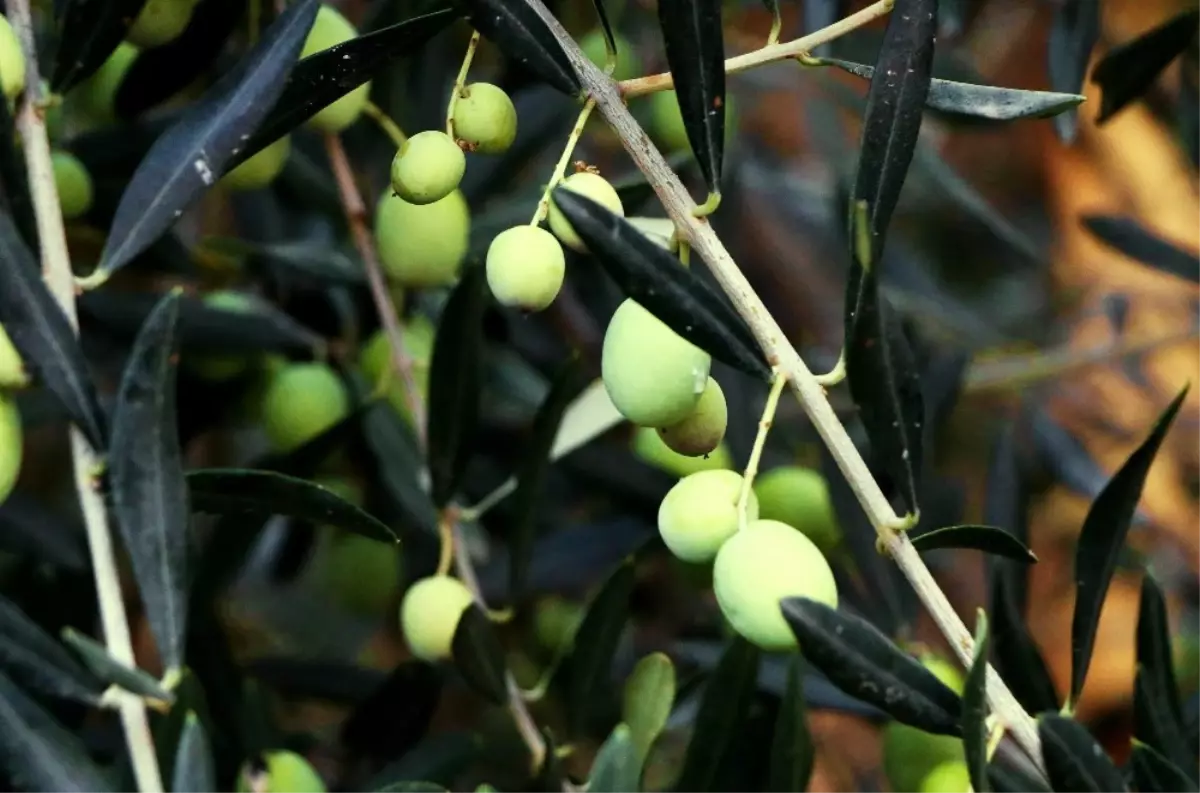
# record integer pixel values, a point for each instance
(356, 217)
(543, 207)
(704, 240)
(460, 82)
(56, 270)
(760, 441)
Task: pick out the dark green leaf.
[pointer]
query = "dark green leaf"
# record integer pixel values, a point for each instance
(1007, 779)
(1158, 717)
(411, 786)
(43, 336)
(588, 669)
(649, 697)
(523, 36)
(37, 753)
(1153, 773)
(610, 40)
(1101, 542)
(792, 749)
(1018, 660)
(14, 180)
(194, 771)
(884, 381)
(1154, 722)
(892, 123)
(320, 262)
(982, 102)
(1073, 34)
(1127, 72)
(31, 530)
(88, 32)
(695, 49)
(864, 663)
(189, 157)
(532, 475)
(1007, 505)
(479, 656)
(168, 728)
(1126, 235)
(112, 671)
(32, 658)
(145, 471)
(654, 278)
(728, 695)
(395, 717)
(241, 491)
(1074, 761)
(988, 539)
(975, 708)
(617, 767)
(399, 465)
(439, 758)
(325, 77)
(455, 378)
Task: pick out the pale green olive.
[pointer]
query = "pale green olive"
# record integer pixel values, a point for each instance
(589, 185)
(12, 60)
(911, 754)
(286, 772)
(653, 376)
(666, 121)
(555, 621)
(160, 22)
(360, 574)
(758, 567)
(97, 94)
(948, 777)
(700, 513)
(594, 47)
(422, 246)
(704, 428)
(427, 167)
(525, 267)
(329, 30)
(485, 120)
(261, 169)
(375, 361)
(799, 497)
(302, 401)
(12, 367)
(430, 613)
(12, 441)
(74, 184)
(649, 446)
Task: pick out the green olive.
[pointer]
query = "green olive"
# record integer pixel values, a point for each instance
(653, 376)
(799, 497)
(704, 428)
(485, 119)
(375, 361)
(949, 777)
(74, 184)
(589, 185)
(525, 267)
(555, 621)
(261, 169)
(428, 166)
(594, 47)
(430, 613)
(910, 754)
(422, 246)
(761, 565)
(303, 400)
(12, 61)
(12, 440)
(160, 22)
(329, 30)
(12, 367)
(666, 121)
(360, 574)
(649, 446)
(97, 94)
(700, 513)
(286, 772)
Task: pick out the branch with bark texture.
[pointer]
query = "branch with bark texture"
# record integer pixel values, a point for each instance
(699, 235)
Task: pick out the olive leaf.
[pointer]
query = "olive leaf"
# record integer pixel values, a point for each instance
(32, 658)
(1018, 660)
(1127, 71)
(1157, 716)
(88, 32)
(194, 771)
(479, 656)
(1073, 34)
(1126, 235)
(792, 749)
(975, 708)
(14, 180)
(606, 28)
(649, 697)
(1073, 759)
(396, 714)
(113, 672)
(988, 539)
(1153, 773)
(522, 35)
(728, 695)
(617, 767)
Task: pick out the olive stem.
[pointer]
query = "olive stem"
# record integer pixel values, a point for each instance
(543, 207)
(56, 270)
(446, 544)
(778, 381)
(460, 82)
(654, 83)
(385, 123)
(704, 240)
(356, 218)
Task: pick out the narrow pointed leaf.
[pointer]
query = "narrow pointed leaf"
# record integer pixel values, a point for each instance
(695, 48)
(479, 656)
(617, 767)
(240, 491)
(325, 77)
(1102, 541)
(1132, 239)
(1158, 718)
(145, 465)
(792, 749)
(588, 669)
(194, 771)
(14, 180)
(196, 150)
(396, 714)
(37, 753)
(88, 32)
(1007, 506)
(43, 336)
(610, 39)
(649, 697)
(654, 278)
(728, 695)
(978, 102)
(1073, 759)
(975, 708)
(988, 539)
(31, 530)
(168, 729)
(892, 123)
(455, 378)
(1018, 660)
(32, 658)
(1127, 72)
(112, 671)
(522, 35)
(864, 663)
(1073, 34)
(1154, 722)
(399, 466)
(532, 475)
(1153, 773)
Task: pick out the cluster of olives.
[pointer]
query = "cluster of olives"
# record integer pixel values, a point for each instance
(917, 760)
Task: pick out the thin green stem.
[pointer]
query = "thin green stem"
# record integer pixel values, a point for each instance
(385, 123)
(778, 381)
(460, 82)
(543, 207)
